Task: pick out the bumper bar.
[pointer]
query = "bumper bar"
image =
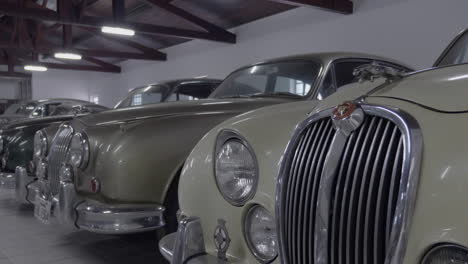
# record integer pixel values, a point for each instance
(187, 246)
(118, 219)
(90, 215)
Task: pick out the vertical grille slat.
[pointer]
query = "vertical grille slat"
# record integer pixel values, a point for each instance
(57, 155)
(379, 222)
(364, 191)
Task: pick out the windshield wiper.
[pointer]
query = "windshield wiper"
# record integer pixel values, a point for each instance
(277, 94)
(234, 96)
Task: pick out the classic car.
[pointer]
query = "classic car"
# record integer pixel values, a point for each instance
(39, 109)
(375, 173)
(17, 137)
(25, 162)
(117, 172)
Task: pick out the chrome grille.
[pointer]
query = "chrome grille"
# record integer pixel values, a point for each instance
(365, 215)
(57, 155)
(364, 193)
(302, 190)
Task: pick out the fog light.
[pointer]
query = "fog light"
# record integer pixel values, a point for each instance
(95, 185)
(446, 254)
(41, 170)
(4, 162)
(66, 173)
(260, 233)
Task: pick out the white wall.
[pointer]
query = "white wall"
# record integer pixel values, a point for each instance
(9, 88)
(75, 84)
(413, 31)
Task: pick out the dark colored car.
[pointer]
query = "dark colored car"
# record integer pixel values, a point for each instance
(17, 137)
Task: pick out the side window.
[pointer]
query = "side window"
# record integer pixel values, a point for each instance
(191, 91)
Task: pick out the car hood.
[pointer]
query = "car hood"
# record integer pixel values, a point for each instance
(199, 107)
(36, 121)
(442, 89)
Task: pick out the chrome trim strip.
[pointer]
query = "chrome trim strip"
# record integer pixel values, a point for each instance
(118, 219)
(413, 143)
(343, 128)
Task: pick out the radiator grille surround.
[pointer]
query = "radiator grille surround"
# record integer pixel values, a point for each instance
(346, 188)
(57, 155)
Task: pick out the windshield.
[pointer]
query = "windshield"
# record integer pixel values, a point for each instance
(457, 53)
(12, 109)
(151, 94)
(26, 109)
(289, 78)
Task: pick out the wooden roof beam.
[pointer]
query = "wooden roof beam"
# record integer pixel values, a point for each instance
(340, 6)
(97, 22)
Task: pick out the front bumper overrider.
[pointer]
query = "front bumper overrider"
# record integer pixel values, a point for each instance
(74, 211)
(26, 186)
(187, 245)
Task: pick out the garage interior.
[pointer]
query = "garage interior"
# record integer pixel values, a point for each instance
(174, 40)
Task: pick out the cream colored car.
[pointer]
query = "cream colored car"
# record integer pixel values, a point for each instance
(376, 173)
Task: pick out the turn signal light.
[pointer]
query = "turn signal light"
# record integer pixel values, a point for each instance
(95, 185)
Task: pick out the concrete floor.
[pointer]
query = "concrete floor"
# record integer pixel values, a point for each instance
(23, 240)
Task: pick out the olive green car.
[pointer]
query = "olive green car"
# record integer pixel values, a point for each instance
(375, 173)
(117, 172)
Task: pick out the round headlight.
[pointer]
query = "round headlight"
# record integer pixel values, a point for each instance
(78, 155)
(2, 145)
(235, 170)
(260, 233)
(446, 254)
(40, 144)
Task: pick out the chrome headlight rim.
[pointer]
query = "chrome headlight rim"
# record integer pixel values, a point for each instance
(224, 137)
(2, 144)
(247, 237)
(43, 148)
(429, 253)
(84, 151)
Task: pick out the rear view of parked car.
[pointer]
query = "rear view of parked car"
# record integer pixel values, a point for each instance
(117, 172)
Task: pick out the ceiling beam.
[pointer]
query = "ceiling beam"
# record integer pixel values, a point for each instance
(75, 67)
(210, 27)
(15, 75)
(340, 6)
(102, 63)
(96, 22)
(51, 49)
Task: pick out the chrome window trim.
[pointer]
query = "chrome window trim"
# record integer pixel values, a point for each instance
(413, 143)
(223, 137)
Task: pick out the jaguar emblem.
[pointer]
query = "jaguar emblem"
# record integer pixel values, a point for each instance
(344, 110)
(221, 239)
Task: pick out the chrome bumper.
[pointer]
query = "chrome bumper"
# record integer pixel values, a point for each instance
(103, 218)
(26, 186)
(7, 180)
(187, 246)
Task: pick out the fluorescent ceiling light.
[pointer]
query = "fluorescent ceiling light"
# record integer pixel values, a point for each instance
(118, 31)
(35, 68)
(67, 56)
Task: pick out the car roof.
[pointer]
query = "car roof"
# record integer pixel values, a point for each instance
(186, 80)
(325, 57)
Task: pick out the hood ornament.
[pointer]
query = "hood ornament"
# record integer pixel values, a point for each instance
(374, 70)
(221, 239)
